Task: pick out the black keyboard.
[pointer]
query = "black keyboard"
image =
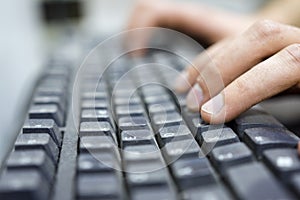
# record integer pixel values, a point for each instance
(127, 135)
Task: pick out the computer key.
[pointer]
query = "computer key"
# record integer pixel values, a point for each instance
(94, 104)
(47, 111)
(255, 118)
(161, 108)
(38, 141)
(23, 184)
(147, 178)
(97, 162)
(134, 100)
(141, 152)
(51, 91)
(43, 126)
(96, 95)
(32, 159)
(44, 100)
(212, 191)
(260, 139)
(157, 99)
(129, 110)
(96, 129)
(133, 123)
(218, 137)
(283, 162)
(166, 119)
(91, 144)
(181, 149)
(90, 115)
(253, 181)
(136, 137)
(174, 133)
(192, 172)
(224, 157)
(106, 186)
(151, 193)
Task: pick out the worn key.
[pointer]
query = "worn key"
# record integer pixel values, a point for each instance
(226, 156)
(23, 184)
(260, 139)
(43, 126)
(283, 162)
(32, 159)
(38, 141)
(253, 181)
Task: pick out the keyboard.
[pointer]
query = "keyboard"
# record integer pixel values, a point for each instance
(123, 133)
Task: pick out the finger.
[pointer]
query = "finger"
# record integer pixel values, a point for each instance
(258, 42)
(274, 75)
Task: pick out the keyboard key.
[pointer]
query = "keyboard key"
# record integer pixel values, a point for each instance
(161, 108)
(133, 123)
(94, 104)
(148, 178)
(150, 193)
(47, 111)
(44, 100)
(39, 126)
(23, 184)
(32, 159)
(181, 149)
(260, 139)
(192, 172)
(94, 95)
(101, 144)
(166, 119)
(253, 181)
(129, 110)
(255, 118)
(96, 129)
(97, 162)
(99, 186)
(218, 137)
(283, 162)
(141, 152)
(226, 156)
(90, 115)
(157, 99)
(212, 191)
(136, 137)
(174, 133)
(38, 141)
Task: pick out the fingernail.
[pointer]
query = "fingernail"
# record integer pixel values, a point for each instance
(214, 106)
(194, 98)
(182, 82)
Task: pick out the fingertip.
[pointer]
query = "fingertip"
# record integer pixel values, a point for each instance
(213, 111)
(182, 84)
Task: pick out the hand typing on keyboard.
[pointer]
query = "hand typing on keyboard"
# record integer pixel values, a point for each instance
(239, 54)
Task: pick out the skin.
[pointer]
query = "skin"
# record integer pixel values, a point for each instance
(266, 59)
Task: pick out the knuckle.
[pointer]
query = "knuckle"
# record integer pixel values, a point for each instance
(293, 52)
(241, 85)
(266, 29)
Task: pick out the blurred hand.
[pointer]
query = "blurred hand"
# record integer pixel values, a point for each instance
(247, 76)
(206, 23)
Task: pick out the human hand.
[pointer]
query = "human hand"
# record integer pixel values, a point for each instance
(203, 22)
(247, 76)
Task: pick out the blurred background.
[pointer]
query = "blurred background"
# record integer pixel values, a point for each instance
(32, 29)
